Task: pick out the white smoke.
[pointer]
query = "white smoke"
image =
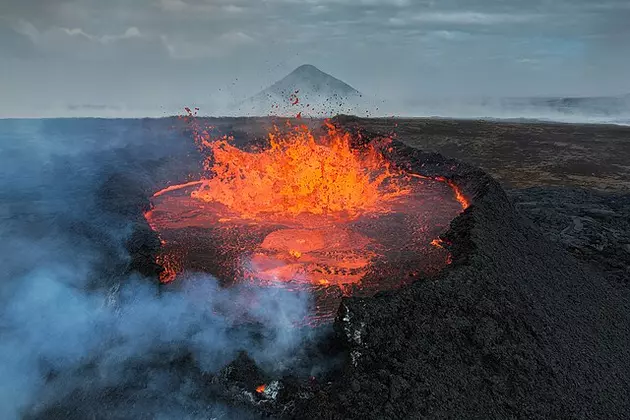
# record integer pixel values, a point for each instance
(72, 321)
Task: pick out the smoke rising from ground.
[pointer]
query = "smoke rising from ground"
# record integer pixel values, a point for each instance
(74, 325)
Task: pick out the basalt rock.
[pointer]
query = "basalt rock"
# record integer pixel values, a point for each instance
(516, 327)
(593, 226)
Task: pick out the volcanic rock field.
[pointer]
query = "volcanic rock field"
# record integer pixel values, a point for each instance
(529, 320)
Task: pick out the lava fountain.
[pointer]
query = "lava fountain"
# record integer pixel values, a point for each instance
(308, 211)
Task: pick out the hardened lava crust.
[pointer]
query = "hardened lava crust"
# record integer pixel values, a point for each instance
(514, 327)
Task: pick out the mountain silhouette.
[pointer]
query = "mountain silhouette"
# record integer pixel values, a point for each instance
(306, 90)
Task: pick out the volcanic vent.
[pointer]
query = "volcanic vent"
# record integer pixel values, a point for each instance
(327, 213)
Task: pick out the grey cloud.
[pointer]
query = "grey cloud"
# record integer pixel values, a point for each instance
(14, 44)
(207, 7)
(183, 6)
(130, 33)
(61, 42)
(26, 29)
(221, 45)
(29, 8)
(388, 47)
(471, 18)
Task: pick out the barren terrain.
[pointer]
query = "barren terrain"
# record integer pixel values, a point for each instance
(571, 180)
(529, 321)
(527, 154)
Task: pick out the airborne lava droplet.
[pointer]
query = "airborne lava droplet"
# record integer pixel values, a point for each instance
(437, 243)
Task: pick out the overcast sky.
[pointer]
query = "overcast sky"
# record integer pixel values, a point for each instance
(156, 54)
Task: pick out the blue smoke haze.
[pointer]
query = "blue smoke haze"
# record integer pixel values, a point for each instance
(70, 318)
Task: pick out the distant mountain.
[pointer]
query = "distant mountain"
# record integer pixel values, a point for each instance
(93, 107)
(306, 90)
(595, 109)
(597, 106)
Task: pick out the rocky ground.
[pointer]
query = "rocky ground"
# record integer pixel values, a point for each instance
(531, 320)
(521, 155)
(594, 226)
(572, 181)
(516, 328)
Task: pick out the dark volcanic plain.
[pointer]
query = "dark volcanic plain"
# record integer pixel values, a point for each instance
(521, 155)
(572, 180)
(530, 321)
(517, 327)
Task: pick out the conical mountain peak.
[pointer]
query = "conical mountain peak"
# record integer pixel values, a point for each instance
(306, 90)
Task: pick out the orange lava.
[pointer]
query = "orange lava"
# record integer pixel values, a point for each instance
(323, 256)
(308, 191)
(437, 243)
(176, 187)
(170, 266)
(299, 174)
(261, 388)
(459, 195)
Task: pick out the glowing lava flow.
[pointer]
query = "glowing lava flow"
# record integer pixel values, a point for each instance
(176, 187)
(299, 174)
(307, 210)
(459, 194)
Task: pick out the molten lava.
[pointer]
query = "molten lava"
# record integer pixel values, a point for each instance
(323, 256)
(299, 174)
(307, 212)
